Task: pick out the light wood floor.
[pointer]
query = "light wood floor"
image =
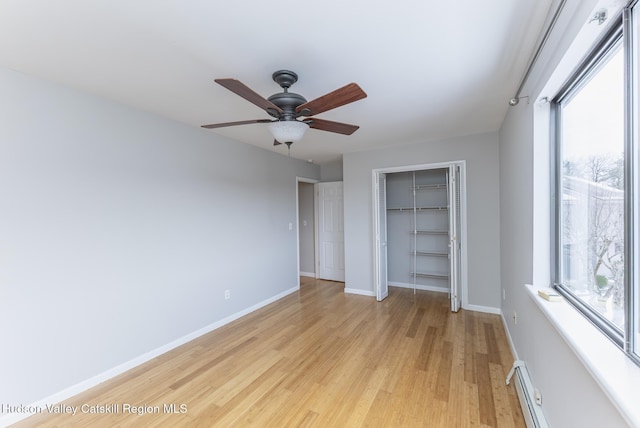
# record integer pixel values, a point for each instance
(323, 358)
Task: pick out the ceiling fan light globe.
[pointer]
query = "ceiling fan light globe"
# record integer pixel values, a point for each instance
(288, 131)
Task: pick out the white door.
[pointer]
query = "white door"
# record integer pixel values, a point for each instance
(330, 231)
(453, 186)
(382, 285)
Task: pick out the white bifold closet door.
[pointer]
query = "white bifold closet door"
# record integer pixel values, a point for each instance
(382, 281)
(453, 187)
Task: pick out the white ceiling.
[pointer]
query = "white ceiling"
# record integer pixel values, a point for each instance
(431, 69)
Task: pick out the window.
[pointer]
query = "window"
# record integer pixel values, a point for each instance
(595, 200)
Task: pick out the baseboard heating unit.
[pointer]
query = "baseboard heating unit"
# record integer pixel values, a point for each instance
(531, 410)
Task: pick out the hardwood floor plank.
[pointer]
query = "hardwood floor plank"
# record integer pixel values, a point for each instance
(241, 399)
(346, 397)
(427, 348)
(469, 347)
(321, 358)
(480, 343)
(379, 413)
(359, 412)
(486, 403)
(212, 363)
(415, 323)
(493, 351)
(471, 405)
(443, 383)
(308, 420)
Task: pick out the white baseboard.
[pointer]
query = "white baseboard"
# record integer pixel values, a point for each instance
(360, 292)
(506, 330)
(485, 309)
(308, 274)
(128, 365)
(477, 308)
(419, 287)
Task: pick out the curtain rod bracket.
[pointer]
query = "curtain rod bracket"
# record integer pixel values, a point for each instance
(600, 17)
(516, 100)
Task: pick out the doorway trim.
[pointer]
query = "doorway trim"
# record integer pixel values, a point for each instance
(463, 217)
(315, 224)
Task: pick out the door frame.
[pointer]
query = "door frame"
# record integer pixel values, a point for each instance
(463, 216)
(315, 224)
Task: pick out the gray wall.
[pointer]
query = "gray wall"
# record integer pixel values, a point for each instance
(331, 171)
(120, 231)
(306, 227)
(571, 397)
(481, 154)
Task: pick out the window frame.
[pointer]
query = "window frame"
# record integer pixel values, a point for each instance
(621, 35)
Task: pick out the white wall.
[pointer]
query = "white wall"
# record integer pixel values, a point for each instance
(481, 154)
(571, 397)
(120, 231)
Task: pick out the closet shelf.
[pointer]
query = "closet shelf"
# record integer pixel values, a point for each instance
(429, 232)
(412, 209)
(430, 253)
(429, 275)
(430, 186)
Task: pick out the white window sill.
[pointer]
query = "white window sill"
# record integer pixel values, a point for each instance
(616, 374)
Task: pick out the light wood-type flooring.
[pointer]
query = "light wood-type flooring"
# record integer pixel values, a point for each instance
(321, 358)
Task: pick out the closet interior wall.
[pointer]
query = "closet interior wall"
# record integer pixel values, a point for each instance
(418, 230)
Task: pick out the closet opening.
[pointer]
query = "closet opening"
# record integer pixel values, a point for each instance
(306, 227)
(420, 229)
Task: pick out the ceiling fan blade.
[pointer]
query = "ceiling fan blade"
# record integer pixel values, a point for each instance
(276, 143)
(345, 95)
(328, 125)
(248, 94)
(242, 122)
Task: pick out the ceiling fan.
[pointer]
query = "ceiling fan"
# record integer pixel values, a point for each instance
(287, 108)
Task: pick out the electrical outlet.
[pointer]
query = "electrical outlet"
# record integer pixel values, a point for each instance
(515, 317)
(227, 294)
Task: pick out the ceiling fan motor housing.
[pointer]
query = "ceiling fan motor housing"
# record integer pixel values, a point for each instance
(287, 101)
